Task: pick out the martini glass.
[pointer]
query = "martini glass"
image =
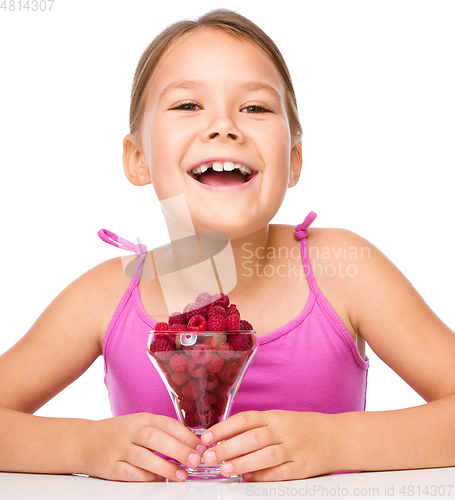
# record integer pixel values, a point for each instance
(202, 372)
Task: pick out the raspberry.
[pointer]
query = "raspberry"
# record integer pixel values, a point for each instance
(178, 327)
(225, 350)
(197, 370)
(152, 347)
(232, 309)
(214, 341)
(229, 372)
(240, 341)
(187, 405)
(244, 325)
(209, 342)
(164, 349)
(212, 382)
(241, 357)
(216, 324)
(204, 299)
(192, 309)
(178, 391)
(220, 299)
(179, 362)
(215, 364)
(165, 336)
(216, 311)
(192, 390)
(207, 419)
(201, 354)
(176, 318)
(206, 402)
(191, 420)
(221, 390)
(197, 323)
(233, 322)
(161, 326)
(220, 405)
(180, 378)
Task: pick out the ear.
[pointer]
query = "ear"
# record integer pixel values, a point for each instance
(134, 162)
(296, 164)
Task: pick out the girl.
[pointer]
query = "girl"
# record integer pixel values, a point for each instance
(218, 90)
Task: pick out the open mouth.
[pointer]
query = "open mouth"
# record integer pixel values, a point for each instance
(222, 173)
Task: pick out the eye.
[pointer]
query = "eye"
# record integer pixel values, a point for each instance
(187, 106)
(255, 108)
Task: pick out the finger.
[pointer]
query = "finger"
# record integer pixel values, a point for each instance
(174, 428)
(155, 439)
(124, 471)
(143, 458)
(235, 425)
(282, 472)
(244, 444)
(271, 456)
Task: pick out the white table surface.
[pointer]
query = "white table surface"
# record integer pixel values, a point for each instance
(411, 484)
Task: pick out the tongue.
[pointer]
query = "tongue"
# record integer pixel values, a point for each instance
(225, 178)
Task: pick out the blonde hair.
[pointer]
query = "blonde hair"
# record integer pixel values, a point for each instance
(223, 19)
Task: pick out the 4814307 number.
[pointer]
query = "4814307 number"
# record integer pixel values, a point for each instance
(27, 5)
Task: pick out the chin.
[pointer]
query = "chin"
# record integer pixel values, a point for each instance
(234, 227)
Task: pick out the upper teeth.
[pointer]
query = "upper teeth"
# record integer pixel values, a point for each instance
(219, 167)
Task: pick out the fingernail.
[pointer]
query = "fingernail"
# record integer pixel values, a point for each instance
(247, 476)
(180, 475)
(160, 478)
(209, 457)
(200, 448)
(193, 459)
(226, 468)
(207, 437)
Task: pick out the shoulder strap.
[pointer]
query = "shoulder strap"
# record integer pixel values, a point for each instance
(116, 241)
(301, 231)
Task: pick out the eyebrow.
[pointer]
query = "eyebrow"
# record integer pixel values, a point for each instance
(252, 86)
(186, 85)
(194, 84)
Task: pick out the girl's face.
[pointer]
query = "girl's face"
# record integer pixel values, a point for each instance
(216, 98)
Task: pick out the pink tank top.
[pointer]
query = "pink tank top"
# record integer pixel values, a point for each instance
(309, 364)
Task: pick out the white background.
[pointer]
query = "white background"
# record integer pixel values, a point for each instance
(374, 82)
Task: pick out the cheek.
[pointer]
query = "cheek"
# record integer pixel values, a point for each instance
(279, 151)
(168, 142)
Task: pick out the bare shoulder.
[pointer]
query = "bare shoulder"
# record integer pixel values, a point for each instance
(322, 238)
(97, 292)
(107, 283)
(334, 253)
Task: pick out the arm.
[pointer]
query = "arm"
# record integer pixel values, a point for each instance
(59, 347)
(403, 331)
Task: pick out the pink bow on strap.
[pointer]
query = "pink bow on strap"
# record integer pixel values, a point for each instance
(301, 231)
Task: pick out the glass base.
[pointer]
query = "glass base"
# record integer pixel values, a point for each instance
(207, 473)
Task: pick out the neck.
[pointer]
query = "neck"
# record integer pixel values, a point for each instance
(250, 254)
(250, 258)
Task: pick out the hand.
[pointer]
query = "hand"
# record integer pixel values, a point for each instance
(273, 445)
(122, 448)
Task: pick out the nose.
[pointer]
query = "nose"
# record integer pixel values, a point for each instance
(223, 127)
(216, 134)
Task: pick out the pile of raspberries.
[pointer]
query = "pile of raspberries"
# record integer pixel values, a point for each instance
(202, 374)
